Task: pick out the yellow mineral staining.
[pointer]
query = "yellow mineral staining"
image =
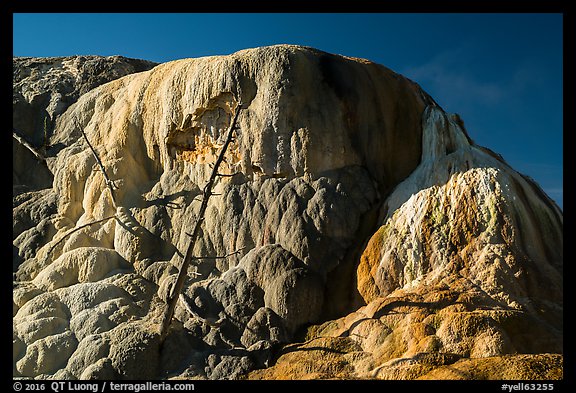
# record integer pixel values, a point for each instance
(321, 358)
(206, 152)
(200, 137)
(369, 262)
(510, 367)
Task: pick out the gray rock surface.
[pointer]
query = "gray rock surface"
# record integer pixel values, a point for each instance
(46, 87)
(265, 325)
(352, 202)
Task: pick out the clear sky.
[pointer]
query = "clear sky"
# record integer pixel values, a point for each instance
(501, 72)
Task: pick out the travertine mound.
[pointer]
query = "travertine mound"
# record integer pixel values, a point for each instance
(358, 217)
(43, 88)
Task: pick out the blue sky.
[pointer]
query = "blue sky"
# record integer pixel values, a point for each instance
(501, 72)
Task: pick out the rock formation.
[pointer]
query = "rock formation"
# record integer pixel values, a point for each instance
(43, 88)
(359, 232)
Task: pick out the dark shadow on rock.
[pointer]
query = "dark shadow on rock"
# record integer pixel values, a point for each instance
(152, 246)
(168, 201)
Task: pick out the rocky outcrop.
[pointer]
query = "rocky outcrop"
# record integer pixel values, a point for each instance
(466, 265)
(356, 216)
(43, 88)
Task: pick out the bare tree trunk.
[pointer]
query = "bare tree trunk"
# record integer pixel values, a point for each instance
(183, 273)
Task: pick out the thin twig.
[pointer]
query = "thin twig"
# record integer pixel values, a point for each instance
(212, 322)
(76, 230)
(45, 144)
(187, 306)
(223, 256)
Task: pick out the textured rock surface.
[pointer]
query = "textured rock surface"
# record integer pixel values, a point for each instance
(43, 88)
(359, 217)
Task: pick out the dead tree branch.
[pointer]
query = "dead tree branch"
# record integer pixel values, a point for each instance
(109, 183)
(76, 230)
(223, 256)
(28, 146)
(182, 274)
(212, 322)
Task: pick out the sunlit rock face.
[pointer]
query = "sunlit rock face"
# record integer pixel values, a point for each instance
(357, 215)
(462, 277)
(43, 88)
(465, 211)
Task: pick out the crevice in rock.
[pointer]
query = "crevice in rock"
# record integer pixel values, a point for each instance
(341, 293)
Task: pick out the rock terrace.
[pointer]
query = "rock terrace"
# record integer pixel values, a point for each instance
(367, 235)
